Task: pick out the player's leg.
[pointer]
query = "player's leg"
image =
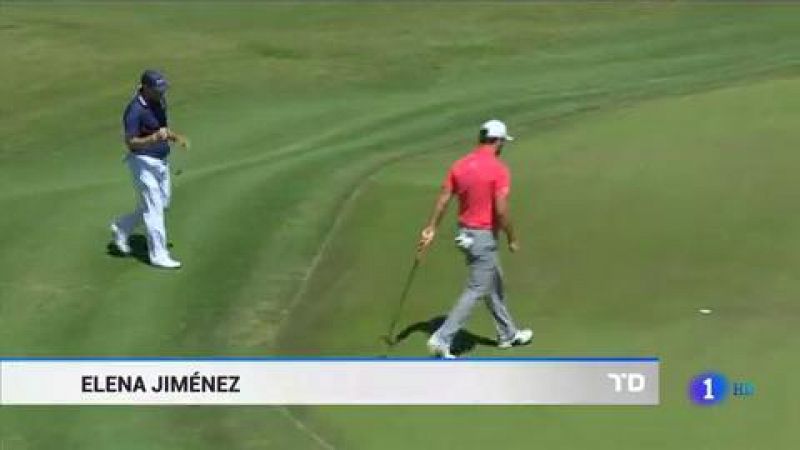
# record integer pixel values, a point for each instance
(496, 302)
(478, 285)
(121, 230)
(508, 335)
(165, 184)
(152, 202)
(443, 337)
(155, 195)
(123, 226)
(127, 223)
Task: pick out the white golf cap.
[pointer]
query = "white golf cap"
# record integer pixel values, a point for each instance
(496, 129)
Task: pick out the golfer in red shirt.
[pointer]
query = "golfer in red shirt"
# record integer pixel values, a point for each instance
(482, 183)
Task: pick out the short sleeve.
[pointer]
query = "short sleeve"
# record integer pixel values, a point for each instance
(131, 123)
(502, 184)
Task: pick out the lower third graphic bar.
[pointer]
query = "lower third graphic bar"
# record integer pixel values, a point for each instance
(333, 381)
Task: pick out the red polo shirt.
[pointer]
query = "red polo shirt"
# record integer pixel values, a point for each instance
(478, 179)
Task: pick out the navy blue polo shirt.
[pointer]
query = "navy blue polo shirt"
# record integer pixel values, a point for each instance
(142, 119)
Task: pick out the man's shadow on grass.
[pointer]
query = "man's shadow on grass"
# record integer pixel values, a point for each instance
(138, 244)
(464, 342)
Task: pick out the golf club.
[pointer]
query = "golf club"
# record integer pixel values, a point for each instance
(389, 338)
(184, 142)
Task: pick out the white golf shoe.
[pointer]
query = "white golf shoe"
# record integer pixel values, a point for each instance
(120, 240)
(166, 263)
(439, 348)
(521, 337)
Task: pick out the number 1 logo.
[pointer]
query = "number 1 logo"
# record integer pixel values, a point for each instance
(708, 388)
(709, 384)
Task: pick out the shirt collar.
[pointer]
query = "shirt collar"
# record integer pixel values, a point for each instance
(485, 149)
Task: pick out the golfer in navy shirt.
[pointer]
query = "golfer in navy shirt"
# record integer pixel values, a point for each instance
(148, 138)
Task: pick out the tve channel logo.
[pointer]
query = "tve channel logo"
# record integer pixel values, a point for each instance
(712, 388)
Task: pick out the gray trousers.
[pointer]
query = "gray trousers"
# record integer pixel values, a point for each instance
(485, 281)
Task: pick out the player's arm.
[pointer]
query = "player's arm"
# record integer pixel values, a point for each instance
(180, 139)
(502, 210)
(136, 143)
(504, 220)
(439, 208)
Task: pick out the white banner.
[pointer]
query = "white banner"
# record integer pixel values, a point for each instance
(333, 381)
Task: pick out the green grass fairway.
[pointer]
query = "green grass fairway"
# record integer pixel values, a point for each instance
(655, 173)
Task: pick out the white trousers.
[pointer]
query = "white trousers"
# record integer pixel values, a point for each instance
(152, 182)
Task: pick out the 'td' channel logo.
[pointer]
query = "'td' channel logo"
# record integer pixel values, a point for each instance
(708, 388)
